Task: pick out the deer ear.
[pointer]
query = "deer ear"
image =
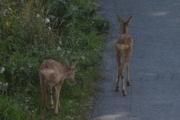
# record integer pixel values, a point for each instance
(66, 63)
(119, 19)
(129, 20)
(73, 64)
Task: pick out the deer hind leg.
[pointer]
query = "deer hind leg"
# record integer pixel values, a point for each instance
(123, 86)
(118, 73)
(128, 78)
(51, 96)
(123, 65)
(57, 89)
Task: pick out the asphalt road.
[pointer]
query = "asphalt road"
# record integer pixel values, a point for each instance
(154, 93)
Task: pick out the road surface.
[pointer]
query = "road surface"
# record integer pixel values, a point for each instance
(154, 93)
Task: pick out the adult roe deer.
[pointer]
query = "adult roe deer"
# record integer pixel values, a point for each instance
(123, 49)
(52, 74)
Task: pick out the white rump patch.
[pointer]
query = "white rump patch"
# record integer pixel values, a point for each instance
(122, 46)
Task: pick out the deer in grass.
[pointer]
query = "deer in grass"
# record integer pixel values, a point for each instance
(123, 50)
(52, 74)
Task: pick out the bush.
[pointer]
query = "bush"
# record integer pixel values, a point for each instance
(32, 31)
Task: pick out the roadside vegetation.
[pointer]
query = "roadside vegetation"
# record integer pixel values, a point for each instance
(34, 30)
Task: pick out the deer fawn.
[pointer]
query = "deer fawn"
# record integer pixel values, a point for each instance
(52, 74)
(123, 49)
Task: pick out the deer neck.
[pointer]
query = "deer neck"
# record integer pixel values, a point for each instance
(66, 73)
(124, 30)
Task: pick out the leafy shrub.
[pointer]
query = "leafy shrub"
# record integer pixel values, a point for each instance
(32, 31)
(10, 110)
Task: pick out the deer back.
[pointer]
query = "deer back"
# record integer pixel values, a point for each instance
(124, 43)
(52, 71)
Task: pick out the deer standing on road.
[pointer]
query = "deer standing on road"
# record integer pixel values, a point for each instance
(52, 74)
(123, 49)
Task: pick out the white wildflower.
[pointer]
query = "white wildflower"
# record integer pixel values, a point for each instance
(2, 70)
(49, 28)
(47, 20)
(82, 57)
(7, 23)
(22, 68)
(26, 100)
(5, 12)
(5, 85)
(26, 108)
(60, 42)
(1, 85)
(74, 8)
(30, 65)
(59, 48)
(52, 17)
(37, 15)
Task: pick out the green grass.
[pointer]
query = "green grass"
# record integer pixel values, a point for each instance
(26, 41)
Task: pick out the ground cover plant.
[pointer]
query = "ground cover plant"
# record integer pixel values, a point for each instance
(34, 30)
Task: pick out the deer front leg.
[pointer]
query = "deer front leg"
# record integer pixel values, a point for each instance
(117, 79)
(43, 90)
(117, 70)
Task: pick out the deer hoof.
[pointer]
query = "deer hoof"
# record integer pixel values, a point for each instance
(51, 108)
(116, 89)
(124, 93)
(128, 83)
